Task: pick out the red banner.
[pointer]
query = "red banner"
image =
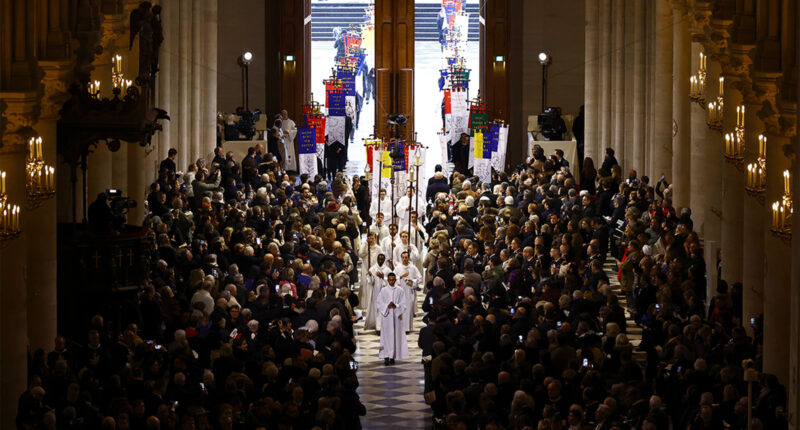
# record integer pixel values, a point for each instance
(448, 107)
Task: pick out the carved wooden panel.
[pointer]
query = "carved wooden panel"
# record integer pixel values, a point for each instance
(405, 100)
(383, 94)
(394, 50)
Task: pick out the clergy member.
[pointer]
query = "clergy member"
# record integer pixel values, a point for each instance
(391, 306)
(407, 204)
(383, 205)
(376, 280)
(368, 253)
(379, 228)
(405, 246)
(409, 279)
(289, 129)
(389, 243)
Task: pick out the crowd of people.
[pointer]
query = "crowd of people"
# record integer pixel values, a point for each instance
(525, 330)
(246, 319)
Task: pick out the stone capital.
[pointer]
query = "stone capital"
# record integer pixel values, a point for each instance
(57, 78)
(765, 89)
(21, 113)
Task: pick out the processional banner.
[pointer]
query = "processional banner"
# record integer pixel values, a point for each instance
(307, 144)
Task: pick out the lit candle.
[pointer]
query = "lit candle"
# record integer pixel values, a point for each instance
(3, 183)
(721, 85)
(52, 178)
(786, 182)
(39, 145)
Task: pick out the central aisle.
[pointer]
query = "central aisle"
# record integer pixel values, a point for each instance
(393, 395)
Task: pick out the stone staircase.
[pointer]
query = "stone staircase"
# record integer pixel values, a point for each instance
(326, 16)
(634, 332)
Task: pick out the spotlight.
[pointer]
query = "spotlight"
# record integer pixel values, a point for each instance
(246, 58)
(544, 59)
(289, 58)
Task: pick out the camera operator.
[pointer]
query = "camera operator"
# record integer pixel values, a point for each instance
(100, 215)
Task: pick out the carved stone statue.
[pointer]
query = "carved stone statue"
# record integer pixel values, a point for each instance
(146, 22)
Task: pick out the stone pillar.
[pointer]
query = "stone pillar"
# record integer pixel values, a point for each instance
(209, 95)
(697, 161)
(41, 221)
(591, 90)
(681, 109)
(777, 270)
(136, 182)
(22, 112)
(732, 195)
(639, 88)
(754, 223)
(606, 113)
(618, 84)
(714, 159)
(661, 154)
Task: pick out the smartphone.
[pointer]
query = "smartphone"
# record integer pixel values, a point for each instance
(662, 176)
(585, 362)
(512, 311)
(215, 272)
(752, 321)
(202, 386)
(658, 307)
(430, 300)
(202, 242)
(277, 287)
(158, 347)
(353, 365)
(175, 405)
(520, 338)
(258, 241)
(558, 324)
(730, 341)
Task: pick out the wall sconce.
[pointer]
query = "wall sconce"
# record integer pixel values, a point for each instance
(782, 211)
(757, 172)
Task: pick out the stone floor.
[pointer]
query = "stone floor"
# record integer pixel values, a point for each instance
(393, 395)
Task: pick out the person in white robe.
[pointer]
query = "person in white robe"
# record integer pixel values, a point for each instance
(289, 129)
(409, 278)
(407, 204)
(421, 237)
(389, 243)
(368, 253)
(380, 229)
(377, 278)
(382, 205)
(405, 246)
(391, 307)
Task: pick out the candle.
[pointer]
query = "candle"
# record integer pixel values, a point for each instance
(3, 183)
(721, 85)
(52, 178)
(5, 219)
(786, 182)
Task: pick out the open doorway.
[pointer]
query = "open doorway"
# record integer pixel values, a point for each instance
(447, 55)
(342, 31)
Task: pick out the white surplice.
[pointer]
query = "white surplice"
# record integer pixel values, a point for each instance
(393, 335)
(369, 257)
(403, 212)
(387, 248)
(409, 284)
(413, 255)
(383, 206)
(375, 284)
(381, 231)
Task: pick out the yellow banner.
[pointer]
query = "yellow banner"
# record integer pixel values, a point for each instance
(478, 138)
(386, 172)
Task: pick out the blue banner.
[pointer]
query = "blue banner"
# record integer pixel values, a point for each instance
(491, 138)
(307, 140)
(336, 104)
(348, 79)
(399, 165)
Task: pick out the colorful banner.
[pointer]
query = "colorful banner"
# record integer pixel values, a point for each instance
(336, 103)
(386, 171)
(307, 145)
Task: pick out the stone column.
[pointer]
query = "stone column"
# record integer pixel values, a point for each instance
(618, 85)
(732, 195)
(606, 114)
(714, 159)
(754, 223)
(681, 109)
(698, 149)
(661, 151)
(777, 280)
(22, 112)
(591, 90)
(209, 95)
(42, 222)
(639, 88)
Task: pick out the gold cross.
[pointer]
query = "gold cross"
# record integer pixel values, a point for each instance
(96, 259)
(130, 257)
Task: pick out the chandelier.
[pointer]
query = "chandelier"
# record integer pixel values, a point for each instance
(9, 214)
(715, 109)
(757, 172)
(782, 211)
(697, 84)
(40, 183)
